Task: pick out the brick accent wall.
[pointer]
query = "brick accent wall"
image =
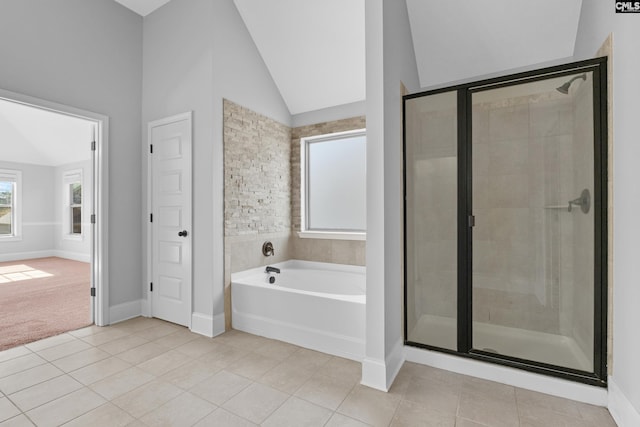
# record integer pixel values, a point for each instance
(257, 187)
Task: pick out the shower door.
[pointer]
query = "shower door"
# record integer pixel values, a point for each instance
(506, 220)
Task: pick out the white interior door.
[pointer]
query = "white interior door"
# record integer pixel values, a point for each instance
(170, 153)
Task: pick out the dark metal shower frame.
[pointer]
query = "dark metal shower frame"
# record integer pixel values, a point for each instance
(598, 67)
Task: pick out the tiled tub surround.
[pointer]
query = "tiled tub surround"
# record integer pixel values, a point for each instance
(262, 195)
(148, 372)
(320, 306)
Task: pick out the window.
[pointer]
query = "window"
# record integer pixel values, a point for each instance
(10, 191)
(73, 204)
(333, 190)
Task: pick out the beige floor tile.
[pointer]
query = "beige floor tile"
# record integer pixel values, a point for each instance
(276, 349)
(198, 347)
(339, 420)
(190, 374)
(107, 335)
(338, 367)
(535, 416)
(296, 412)
(252, 366)
(12, 353)
(596, 414)
(65, 408)
(427, 372)
(28, 378)
(100, 370)
(220, 417)
(19, 364)
(78, 360)
(142, 353)
(45, 392)
(137, 324)
(286, 378)
(433, 395)
(305, 358)
(411, 414)
(370, 406)
(50, 342)
(19, 421)
(121, 383)
(159, 331)
(545, 401)
(485, 387)
(242, 340)
(107, 415)
(184, 410)
(62, 350)
(7, 409)
(89, 330)
(256, 402)
(220, 387)
(146, 398)
(176, 339)
(123, 344)
(493, 410)
(326, 391)
(222, 354)
(463, 422)
(164, 363)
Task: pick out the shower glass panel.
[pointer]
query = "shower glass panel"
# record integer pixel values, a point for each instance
(431, 169)
(533, 241)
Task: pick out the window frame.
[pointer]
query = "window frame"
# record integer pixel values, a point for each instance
(15, 176)
(305, 231)
(69, 178)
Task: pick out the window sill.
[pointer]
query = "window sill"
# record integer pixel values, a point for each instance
(10, 238)
(333, 235)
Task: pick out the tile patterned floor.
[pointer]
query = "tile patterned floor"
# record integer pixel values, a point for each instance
(146, 372)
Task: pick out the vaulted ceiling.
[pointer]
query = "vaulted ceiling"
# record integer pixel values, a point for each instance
(315, 49)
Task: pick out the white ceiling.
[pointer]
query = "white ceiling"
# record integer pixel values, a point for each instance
(460, 40)
(315, 49)
(41, 137)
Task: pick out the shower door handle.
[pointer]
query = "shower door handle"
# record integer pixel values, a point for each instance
(472, 221)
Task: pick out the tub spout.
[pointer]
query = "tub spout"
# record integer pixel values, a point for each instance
(272, 270)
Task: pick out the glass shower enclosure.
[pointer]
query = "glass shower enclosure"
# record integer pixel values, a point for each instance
(505, 220)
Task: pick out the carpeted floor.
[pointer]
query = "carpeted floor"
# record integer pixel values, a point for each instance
(42, 297)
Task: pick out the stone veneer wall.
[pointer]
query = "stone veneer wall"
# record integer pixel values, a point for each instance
(257, 192)
(322, 250)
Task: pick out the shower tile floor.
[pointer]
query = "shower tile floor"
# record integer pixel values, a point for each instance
(146, 372)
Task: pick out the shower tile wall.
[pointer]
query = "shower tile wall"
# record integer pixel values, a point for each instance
(524, 252)
(321, 250)
(257, 191)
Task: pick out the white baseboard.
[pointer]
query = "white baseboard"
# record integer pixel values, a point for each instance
(380, 374)
(622, 411)
(207, 325)
(125, 311)
(74, 256)
(19, 256)
(515, 377)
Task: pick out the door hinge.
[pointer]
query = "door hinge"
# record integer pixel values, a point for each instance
(93, 146)
(93, 292)
(150, 217)
(472, 221)
(151, 148)
(93, 218)
(151, 287)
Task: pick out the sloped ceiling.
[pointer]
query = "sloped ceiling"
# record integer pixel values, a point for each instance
(34, 136)
(459, 40)
(315, 49)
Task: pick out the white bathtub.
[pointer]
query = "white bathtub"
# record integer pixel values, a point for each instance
(315, 305)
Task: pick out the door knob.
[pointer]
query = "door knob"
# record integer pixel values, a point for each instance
(182, 233)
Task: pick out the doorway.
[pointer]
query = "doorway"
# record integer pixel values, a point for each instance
(505, 221)
(54, 218)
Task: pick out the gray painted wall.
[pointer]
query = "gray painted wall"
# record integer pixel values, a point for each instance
(597, 20)
(195, 54)
(87, 54)
(37, 213)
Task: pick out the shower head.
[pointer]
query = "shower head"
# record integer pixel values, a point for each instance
(565, 87)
